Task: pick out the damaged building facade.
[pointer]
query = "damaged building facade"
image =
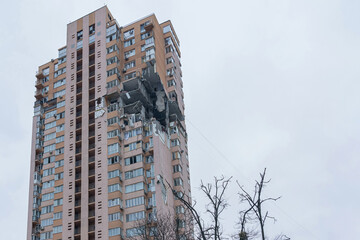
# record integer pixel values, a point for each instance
(109, 138)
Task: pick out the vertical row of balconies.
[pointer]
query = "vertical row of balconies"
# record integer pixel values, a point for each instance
(78, 144)
(176, 106)
(36, 194)
(39, 84)
(80, 124)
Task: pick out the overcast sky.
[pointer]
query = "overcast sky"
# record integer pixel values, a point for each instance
(267, 84)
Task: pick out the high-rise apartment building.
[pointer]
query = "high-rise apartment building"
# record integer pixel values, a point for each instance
(108, 131)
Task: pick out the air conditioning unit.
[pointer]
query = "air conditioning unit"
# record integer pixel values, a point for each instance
(51, 152)
(172, 124)
(124, 70)
(42, 228)
(61, 97)
(126, 58)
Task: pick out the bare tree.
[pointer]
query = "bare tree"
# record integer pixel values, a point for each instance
(252, 218)
(202, 233)
(159, 228)
(255, 203)
(245, 217)
(216, 206)
(281, 237)
(164, 226)
(215, 193)
(248, 230)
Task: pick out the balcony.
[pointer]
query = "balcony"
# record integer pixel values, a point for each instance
(78, 90)
(77, 216)
(39, 75)
(35, 218)
(36, 206)
(148, 57)
(92, 133)
(39, 84)
(36, 229)
(37, 181)
(38, 103)
(149, 45)
(78, 150)
(37, 178)
(77, 176)
(39, 94)
(91, 228)
(149, 26)
(92, 213)
(77, 203)
(38, 148)
(77, 231)
(91, 84)
(36, 194)
(33, 237)
(39, 123)
(38, 157)
(51, 103)
(78, 138)
(113, 92)
(91, 199)
(40, 135)
(91, 121)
